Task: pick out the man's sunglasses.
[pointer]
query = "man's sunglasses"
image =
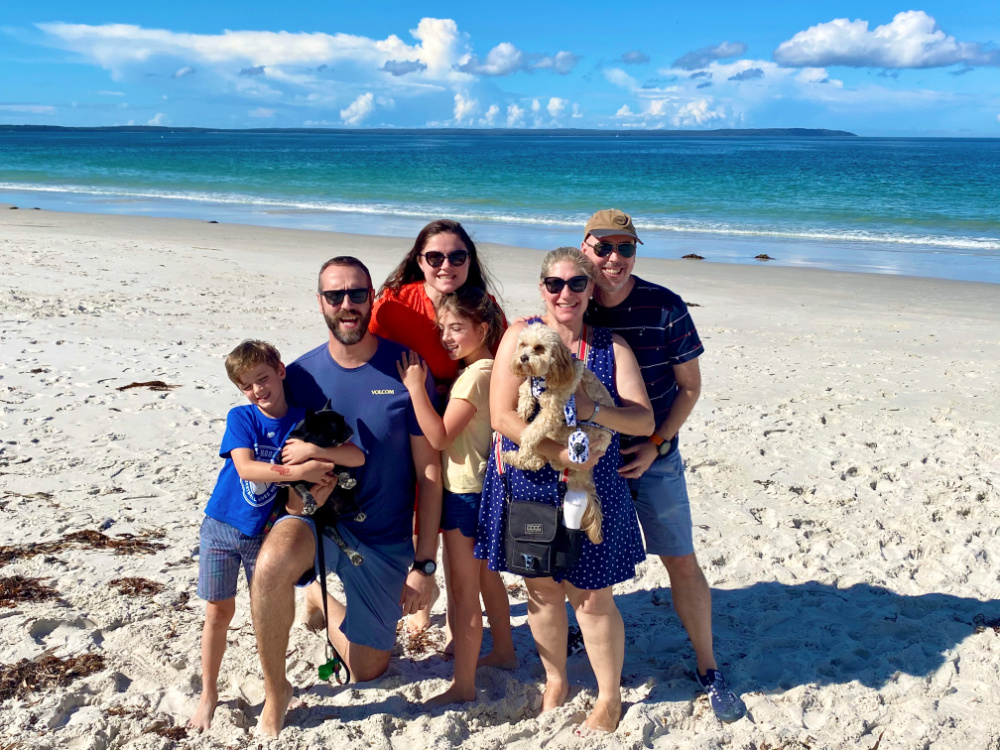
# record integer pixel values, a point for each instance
(555, 285)
(336, 296)
(604, 249)
(455, 257)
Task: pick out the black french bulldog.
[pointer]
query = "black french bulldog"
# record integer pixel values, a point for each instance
(328, 429)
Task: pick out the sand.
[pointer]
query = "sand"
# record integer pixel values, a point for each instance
(843, 465)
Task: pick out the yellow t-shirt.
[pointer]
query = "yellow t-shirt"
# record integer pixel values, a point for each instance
(465, 459)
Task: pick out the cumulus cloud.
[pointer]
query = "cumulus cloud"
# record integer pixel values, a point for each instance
(158, 119)
(402, 67)
(620, 78)
(556, 106)
(261, 112)
(34, 109)
(912, 40)
(465, 108)
(576, 111)
(505, 59)
(634, 57)
(697, 114)
(700, 58)
(359, 109)
(515, 116)
(184, 72)
(490, 117)
(750, 74)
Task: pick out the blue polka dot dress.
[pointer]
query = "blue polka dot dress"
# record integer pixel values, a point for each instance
(600, 565)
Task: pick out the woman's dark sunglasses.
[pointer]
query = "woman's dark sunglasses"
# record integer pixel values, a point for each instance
(455, 257)
(336, 296)
(555, 285)
(604, 249)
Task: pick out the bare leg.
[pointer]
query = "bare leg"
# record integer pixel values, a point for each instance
(604, 636)
(449, 610)
(549, 627)
(288, 551)
(218, 615)
(463, 581)
(693, 601)
(497, 604)
(314, 609)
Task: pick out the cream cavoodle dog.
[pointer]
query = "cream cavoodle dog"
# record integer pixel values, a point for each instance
(541, 354)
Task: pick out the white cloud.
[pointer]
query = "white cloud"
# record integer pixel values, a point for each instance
(359, 109)
(576, 111)
(187, 70)
(515, 116)
(698, 114)
(700, 58)
(261, 112)
(34, 109)
(536, 106)
(635, 57)
(465, 108)
(159, 119)
(111, 93)
(912, 40)
(556, 106)
(491, 115)
(624, 111)
(620, 78)
(505, 59)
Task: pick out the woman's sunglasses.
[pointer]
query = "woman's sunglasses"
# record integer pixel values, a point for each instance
(336, 296)
(604, 249)
(455, 257)
(555, 285)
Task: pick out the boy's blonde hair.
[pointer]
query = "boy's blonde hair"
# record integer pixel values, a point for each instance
(247, 356)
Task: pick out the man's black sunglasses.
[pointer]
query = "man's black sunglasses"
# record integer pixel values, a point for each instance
(455, 257)
(604, 249)
(336, 296)
(555, 285)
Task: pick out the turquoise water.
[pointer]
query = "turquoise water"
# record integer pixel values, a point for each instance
(927, 207)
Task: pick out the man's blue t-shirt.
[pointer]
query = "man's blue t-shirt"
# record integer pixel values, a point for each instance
(244, 505)
(377, 406)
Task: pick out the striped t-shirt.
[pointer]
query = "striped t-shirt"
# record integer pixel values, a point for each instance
(656, 324)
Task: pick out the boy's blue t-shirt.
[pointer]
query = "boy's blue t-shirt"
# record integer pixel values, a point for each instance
(246, 506)
(376, 404)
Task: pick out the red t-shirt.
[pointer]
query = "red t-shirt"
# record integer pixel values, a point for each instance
(408, 318)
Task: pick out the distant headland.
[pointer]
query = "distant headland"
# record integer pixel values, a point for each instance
(551, 132)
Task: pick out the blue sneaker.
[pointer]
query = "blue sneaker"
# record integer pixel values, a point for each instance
(728, 706)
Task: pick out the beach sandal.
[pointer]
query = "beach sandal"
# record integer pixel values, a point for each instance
(726, 704)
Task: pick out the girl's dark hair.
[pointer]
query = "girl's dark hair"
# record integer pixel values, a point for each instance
(475, 304)
(408, 271)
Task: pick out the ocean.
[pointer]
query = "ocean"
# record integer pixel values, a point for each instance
(920, 207)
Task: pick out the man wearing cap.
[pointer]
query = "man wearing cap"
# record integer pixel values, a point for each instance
(657, 326)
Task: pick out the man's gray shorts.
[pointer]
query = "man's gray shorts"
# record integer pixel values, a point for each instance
(661, 502)
(372, 589)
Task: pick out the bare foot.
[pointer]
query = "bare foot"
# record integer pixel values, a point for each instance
(451, 695)
(202, 718)
(500, 661)
(554, 696)
(314, 619)
(605, 716)
(272, 716)
(420, 621)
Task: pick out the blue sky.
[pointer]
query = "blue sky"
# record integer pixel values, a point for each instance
(874, 68)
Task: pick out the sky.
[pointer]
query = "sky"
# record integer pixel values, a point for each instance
(876, 68)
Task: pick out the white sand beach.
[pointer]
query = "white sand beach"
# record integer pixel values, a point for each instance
(843, 464)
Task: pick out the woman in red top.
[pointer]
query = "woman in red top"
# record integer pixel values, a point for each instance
(443, 258)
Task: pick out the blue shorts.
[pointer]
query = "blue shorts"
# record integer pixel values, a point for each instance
(372, 589)
(460, 510)
(223, 549)
(661, 502)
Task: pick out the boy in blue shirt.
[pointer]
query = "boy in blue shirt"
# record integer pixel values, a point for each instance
(244, 494)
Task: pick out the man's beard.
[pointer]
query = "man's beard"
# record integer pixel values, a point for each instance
(348, 338)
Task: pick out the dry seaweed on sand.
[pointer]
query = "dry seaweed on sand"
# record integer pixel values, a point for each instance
(17, 589)
(137, 586)
(45, 671)
(982, 624)
(122, 545)
(693, 256)
(153, 385)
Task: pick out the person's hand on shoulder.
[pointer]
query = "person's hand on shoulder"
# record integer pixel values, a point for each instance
(412, 371)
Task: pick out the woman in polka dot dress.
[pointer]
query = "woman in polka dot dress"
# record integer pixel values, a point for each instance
(567, 284)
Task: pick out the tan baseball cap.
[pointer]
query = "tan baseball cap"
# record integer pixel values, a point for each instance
(610, 221)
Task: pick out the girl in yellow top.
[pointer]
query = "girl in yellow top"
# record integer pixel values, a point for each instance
(471, 323)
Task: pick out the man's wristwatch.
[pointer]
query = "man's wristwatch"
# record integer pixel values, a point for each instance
(427, 567)
(662, 446)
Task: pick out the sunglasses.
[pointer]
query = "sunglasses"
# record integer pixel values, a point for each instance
(555, 285)
(336, 296)
(455, 257)
(604, 249)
